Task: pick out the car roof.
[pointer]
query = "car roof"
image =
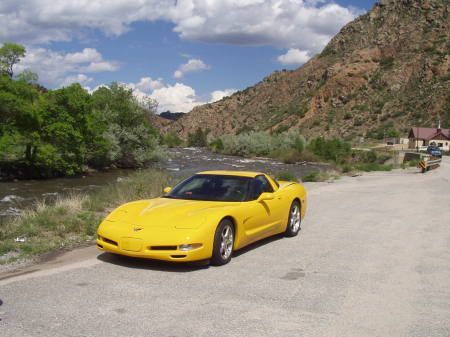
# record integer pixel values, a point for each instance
(251, 174)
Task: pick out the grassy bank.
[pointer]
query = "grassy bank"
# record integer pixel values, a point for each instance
(73, 220)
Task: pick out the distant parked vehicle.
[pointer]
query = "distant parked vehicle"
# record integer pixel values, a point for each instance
(434, 151)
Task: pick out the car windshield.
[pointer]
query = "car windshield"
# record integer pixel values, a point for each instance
(212, 188)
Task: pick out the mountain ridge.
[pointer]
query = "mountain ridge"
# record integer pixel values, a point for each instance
(382, 73)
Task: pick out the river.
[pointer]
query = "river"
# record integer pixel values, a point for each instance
(18, 195)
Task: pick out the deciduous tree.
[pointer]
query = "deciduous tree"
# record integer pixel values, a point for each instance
(10, 54)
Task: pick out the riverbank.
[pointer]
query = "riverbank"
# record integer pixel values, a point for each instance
(72, 220)
(17, 196)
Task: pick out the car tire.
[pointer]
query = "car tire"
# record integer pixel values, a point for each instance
(294, 219)
(223, 243)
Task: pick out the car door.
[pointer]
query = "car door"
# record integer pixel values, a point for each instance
(262, 217)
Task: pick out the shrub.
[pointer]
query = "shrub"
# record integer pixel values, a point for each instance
(335, 150)
(171, 139)
(198, 138)
(387, 62)
(290, 156)
(260, 143)
(217, 145)
(311, 177)
(286, 176)
(367, 167)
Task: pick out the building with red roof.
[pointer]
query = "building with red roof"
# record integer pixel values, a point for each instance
(425, 136)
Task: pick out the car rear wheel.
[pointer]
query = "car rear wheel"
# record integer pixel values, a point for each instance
(294, 220)
(223, 243)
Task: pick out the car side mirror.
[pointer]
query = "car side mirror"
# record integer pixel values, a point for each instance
(167, 189)
(266, 196)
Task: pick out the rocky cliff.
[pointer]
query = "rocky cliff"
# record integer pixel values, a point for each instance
(382, 73)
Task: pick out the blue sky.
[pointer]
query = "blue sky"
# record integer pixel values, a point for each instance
(180, 52)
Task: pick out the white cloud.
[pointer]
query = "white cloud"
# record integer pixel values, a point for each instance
(79, 78)
(87, 55)
(293, 56)
(219, 94)
(56, 69)
(191, 66)
(146, 84)
(95, 67)
(305, 25)
(176, 98)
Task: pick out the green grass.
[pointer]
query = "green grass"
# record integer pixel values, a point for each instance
(318, 176)
(311, 177)
(73, 220)
(286, 176)
(368, 167)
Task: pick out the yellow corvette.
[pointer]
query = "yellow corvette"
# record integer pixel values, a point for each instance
(206, 216)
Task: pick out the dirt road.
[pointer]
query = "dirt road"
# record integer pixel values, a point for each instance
(372, 259)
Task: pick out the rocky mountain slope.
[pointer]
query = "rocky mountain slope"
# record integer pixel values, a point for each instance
(382, 73)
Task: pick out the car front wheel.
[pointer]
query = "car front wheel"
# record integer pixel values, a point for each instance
(223, 243)
(294, 220)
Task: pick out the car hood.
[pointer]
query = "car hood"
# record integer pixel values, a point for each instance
(166, 212)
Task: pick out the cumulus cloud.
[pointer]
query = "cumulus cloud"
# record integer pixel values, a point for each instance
(305, 25)
(293, 56)
(219, 94)
(57, 69)
(95, 67)
(191, 66)
(147, 83)
(79, 78)
(176, 98)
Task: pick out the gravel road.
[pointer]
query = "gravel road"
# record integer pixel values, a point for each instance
(372, 259)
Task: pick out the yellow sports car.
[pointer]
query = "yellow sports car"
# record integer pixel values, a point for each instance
(206, 216)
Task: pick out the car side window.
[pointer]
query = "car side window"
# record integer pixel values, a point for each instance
(260, 185)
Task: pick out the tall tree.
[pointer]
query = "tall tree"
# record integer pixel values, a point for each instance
(10, 54)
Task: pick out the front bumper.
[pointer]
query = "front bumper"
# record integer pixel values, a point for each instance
(166, 255)
(154, 244)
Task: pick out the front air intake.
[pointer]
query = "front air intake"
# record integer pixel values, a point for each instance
(163, 247)
(111, 242)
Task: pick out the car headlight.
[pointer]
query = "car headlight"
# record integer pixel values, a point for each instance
(190, 246)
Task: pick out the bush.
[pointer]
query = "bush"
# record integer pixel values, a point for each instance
(260, 144)
(367, 167)
(387, 62)
(198, 138)
(290, 156)
(334, 150)
(286, 176)
(171, 139)
(311, 177)
(217, 145)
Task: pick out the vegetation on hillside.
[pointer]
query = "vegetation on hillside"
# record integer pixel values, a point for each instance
(47, 133)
